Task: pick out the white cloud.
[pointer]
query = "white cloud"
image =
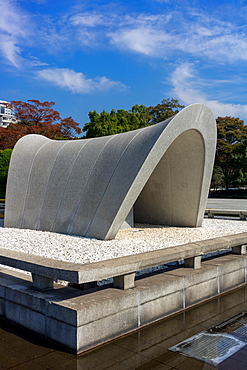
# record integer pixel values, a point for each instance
(223, 47)
(184, 81)
(190, 33)
(13, 30)
(125, 31)
(186, 31)
(87, 19)
(142, 40)
(35, 62)
(12, 19)
(76, 82)
(10, 50)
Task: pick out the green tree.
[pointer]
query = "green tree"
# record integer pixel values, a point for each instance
(241, 159)
(163, 111)
(4, 166)
(217, 178)
(121, 120)
(231, 149)
(104, 123)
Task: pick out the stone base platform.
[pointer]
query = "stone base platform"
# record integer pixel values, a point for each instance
(80, 320)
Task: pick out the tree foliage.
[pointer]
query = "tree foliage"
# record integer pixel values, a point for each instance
(35, 117)
(161, 112)
(104, 123)
(4, 166)
(217, 178)
(231, 152)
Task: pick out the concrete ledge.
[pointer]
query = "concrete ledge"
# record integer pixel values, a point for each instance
(211, 212)
(80, 320)
(119, 267)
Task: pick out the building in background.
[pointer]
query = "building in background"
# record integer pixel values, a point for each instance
(6, 114)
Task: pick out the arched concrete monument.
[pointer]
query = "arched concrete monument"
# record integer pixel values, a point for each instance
(88, 187)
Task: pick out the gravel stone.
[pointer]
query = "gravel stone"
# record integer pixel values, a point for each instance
(142, 238)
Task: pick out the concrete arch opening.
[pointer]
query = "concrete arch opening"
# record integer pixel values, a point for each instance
(171, 195)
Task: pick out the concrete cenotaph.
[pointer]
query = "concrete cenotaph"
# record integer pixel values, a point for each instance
(89, 187)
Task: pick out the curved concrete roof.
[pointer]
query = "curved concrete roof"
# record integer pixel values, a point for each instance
(88, 187)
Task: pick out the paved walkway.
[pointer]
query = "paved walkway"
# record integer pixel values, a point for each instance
(238, 204)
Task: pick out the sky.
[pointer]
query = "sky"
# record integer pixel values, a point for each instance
(100, 55)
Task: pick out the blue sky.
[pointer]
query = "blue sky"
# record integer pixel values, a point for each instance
(97, 54)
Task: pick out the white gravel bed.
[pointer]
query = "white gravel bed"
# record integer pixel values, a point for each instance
(127, 242)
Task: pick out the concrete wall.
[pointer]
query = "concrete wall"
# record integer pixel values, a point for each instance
(80, 320)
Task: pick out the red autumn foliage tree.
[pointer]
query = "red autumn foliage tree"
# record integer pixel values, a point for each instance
(35, 117)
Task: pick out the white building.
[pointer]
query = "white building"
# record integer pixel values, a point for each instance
(6, 114)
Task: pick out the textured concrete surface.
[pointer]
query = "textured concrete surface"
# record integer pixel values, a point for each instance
(122, 269)
(81, 320)
(147, 348)
(88, 187)
(211, 212)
